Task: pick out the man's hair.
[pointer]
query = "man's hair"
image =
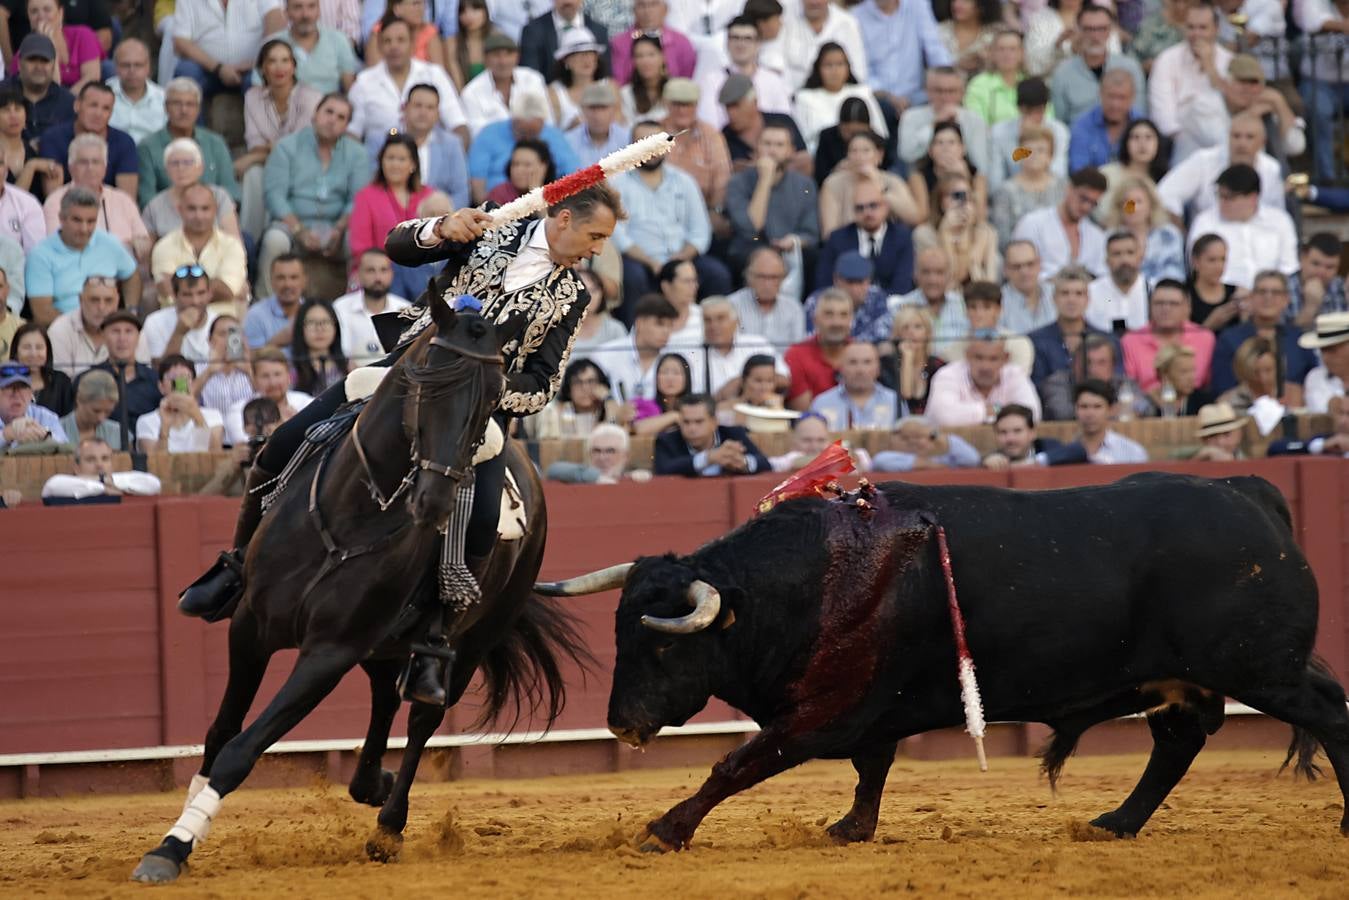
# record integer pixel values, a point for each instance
(339, 97)
(670, 271)
(832, 295)
(717, 301)
(127, 41)
(1240, 179)
(287, 258)
(261, 411)
(269, 355)
(94, 441)
(1116, 236)
(1323, 242)
(1172, 284)
(199, 186)
(78, 196)
(1088, 8)
(1204, 4)
(743, 21)
(1032, 93)
(172, 360)
(654, 306)
(182, 145)
(1089, 177)
(944, 70)
(423, 86)
(95, 86)
(391, 18)
(373, 251)
(762, 250)
(1016, 409)
(983, 292)
(1072, 272)
(608, 429)
(1274, 274)
(182, 85)
(703, 400)
(178, 283)
(88, 140)
(1101, 342)
(96, 385)
(1120, 75)
(1098, 388)
(759, 10)
(584, 203)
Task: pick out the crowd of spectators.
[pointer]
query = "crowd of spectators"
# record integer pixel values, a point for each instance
(893, 215)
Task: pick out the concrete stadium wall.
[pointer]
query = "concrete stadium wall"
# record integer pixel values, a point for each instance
(99, 674)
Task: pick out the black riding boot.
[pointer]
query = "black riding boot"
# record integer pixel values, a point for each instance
(427, 677)
(215, 594)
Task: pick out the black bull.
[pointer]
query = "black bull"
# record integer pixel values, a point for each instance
(830, 627)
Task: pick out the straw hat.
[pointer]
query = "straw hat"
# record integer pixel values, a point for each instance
(1331, 329)
(1218, 418)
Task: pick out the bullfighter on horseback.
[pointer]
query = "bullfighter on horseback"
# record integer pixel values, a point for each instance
(521, 273)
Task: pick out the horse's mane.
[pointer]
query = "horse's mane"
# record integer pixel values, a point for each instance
(436, 382)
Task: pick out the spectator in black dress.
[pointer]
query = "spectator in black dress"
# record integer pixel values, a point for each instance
(1213, 304)
(51, 387)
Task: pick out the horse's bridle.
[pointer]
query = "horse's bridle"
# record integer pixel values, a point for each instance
(413, 430)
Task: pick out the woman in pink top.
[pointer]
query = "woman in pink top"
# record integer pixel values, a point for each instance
(392, 196)
(530, 166)
(78, 52)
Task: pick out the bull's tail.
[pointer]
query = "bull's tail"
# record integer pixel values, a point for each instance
(1055, 752)
(524, 670)
(1304, 745)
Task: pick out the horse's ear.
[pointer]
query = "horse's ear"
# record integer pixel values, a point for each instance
(443, 315)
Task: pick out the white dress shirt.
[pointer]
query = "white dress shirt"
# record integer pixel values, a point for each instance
(1044, 229)
(229, 34)
(511, 16)
(771, 94)
(1267, 241)
(158, 328)
(483, 103)
(77, 487)
(782, 324)
(186, 438)
(1319, 387)
(801, 44)
(360, 342)
(138, 118)
(1107, 304)
(21, 218)
(1184, 103)
(377, 103)
(725, 367)
(1195, 180)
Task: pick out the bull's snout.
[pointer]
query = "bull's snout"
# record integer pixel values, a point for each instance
(632, 736)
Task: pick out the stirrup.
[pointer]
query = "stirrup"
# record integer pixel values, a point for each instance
(216, 594)
(414, 683)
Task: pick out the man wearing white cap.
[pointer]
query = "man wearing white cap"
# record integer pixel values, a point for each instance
(1327, 380)
(1220, 433)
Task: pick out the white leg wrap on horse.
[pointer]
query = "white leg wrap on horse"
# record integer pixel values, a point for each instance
(194, 788)
(194, 824)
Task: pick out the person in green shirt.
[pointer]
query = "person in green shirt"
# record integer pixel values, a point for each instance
(992, 94)
(182, 103)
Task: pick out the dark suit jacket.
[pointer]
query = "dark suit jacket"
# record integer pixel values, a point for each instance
(673, 456)
(538, 42)
(894, 266)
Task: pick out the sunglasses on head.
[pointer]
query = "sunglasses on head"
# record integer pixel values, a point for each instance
(9, 370)
(192, 271)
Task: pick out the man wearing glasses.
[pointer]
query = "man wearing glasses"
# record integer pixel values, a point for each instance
(1267, 301)
(21, 420)
(874, 235)
(1076, 82)
(183, 328)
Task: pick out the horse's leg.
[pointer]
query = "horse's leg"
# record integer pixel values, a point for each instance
(316, 673)
(384, 845)
(372, 782)
(248, 664)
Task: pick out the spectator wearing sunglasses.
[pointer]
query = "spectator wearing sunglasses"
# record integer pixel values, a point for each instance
(21, 420)
(183, 328)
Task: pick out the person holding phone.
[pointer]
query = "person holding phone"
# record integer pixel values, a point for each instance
(228, 376)
(180, 424)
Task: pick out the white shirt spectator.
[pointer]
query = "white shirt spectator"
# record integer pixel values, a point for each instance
(1311, 16)
(1107, 304)
(1044, 228)
(77, 487)
(771, 92)
(377, 104)
(360, 343)
(234, 417)
(782, 325)
(138, 117)
(1319, 388)
(916, 133)
(801, 44)
(618, 358)
(704, 22)
(725, 367)
(1184, 103)
(1194, 181)
(953, 400)
(72, 351)
(186, 438)
(157, 330)
(1267, 241)
(1116, 449)
(511, 16)
(815, 110)
(21, 219)
(483, 103)
(229, 34)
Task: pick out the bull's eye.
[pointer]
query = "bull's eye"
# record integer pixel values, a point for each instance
(662, 647)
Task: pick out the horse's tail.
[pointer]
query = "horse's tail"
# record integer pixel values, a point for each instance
(524, 669)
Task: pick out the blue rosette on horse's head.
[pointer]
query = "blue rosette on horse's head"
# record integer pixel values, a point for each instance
(466, 303)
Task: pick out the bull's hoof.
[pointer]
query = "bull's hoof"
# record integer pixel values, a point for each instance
(156, 869)
(662, 837)
(384, 846)
(848, 830)
(1113, 825)
(362, 791)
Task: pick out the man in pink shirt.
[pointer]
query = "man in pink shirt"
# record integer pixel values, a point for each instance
(972, 390)
(649, 18)
(1168, 323)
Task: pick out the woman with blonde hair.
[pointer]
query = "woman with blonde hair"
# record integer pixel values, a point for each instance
(908, 368)
(1259, 369)
(1032, 187)
(1138, 209)
(1177, 392)
(970, 243)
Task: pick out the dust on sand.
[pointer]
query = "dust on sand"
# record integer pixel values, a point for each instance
(1231, 828)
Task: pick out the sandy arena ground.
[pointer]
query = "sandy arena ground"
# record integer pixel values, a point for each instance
(1232, 828)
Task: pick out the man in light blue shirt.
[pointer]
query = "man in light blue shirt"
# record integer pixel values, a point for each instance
(56, 270)
(859, 401)
(271, 321)
(21, 420)
(598, 135)
(931, 272)
(324, 59)
(901, 41)
(490, 153)
(1075, 84)
(667, 219)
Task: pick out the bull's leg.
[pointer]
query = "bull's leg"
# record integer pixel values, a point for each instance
(769, 753)
(316, 673)
(385, 843)
(1178, 734)
(859, 824)
(248, 664)
(372, 783)
(1317, 705)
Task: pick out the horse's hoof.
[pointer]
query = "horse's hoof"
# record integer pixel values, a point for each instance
(377, 796)
(156, 869)
(384, 846)
(848, 831)
(654, 844)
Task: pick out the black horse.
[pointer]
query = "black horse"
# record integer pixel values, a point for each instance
(344, 573)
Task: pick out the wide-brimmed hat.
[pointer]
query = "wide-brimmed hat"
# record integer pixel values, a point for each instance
(1331, 328)
(1219, 418)
(577, 40)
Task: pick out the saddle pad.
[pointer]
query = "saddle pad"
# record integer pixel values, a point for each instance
(511, 525)
(362, 382)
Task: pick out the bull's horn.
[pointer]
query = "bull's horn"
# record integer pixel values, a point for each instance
(706, 602)
(590, 583)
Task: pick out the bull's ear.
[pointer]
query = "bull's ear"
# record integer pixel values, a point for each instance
(727, 619)
(730, 599)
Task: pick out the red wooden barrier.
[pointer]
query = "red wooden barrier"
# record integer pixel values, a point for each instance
(93, 654)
